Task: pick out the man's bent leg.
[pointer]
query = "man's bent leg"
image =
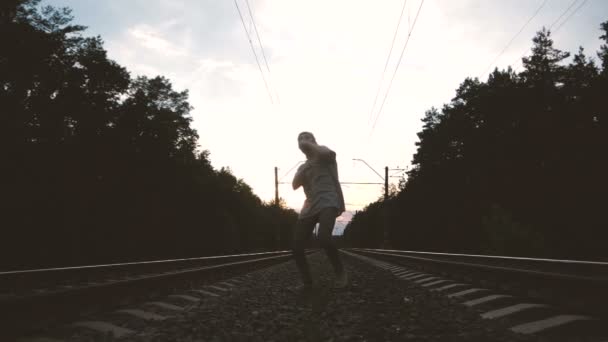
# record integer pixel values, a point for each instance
(301, 234)
(327, 220)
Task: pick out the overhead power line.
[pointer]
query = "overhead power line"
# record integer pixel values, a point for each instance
(397, 67)
(257, 60)
(371, 114)
(553, 24)
(293, 167)
(570, 15)
(255, 28)
(563, 13)
(513, 38)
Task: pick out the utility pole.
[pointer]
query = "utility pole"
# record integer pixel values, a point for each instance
(385, 183)
(384, 213)
(276, 186)
(385, 210)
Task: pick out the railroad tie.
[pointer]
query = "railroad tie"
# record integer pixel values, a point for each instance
(420, 281)
(167, 306)
(214, 287)
(420, 275)
(146, 315)
(484, 299)
(447, 287)
(206, 293)
(437, 282)
(509, 310)
(104, 327)
(408, 274)
(186, 297)
(465, 292)
(544, 324)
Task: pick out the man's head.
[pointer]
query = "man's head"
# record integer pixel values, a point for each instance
(304, 139)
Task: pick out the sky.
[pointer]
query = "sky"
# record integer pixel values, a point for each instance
(325, 67)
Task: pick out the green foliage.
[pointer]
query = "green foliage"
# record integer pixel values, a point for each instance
(100, 167)
(513, 165)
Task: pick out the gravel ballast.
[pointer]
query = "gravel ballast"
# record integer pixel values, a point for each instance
(376, 306)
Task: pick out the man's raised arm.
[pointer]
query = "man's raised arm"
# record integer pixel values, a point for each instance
(325, 154)
(297, 179)
(321, 152)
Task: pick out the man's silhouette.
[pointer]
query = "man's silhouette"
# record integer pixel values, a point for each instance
(324, 202)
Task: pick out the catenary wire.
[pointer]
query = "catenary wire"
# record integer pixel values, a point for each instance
(554, 22)
(255, 28)
(514, 37)
(371, 114)
(570, 15)
(293, 167)
(563, 13)
(396, 67)
(257, 60)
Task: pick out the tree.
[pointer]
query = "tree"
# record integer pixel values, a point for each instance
(542, 68)
(603, 53)
(514, 165)
(100, 167)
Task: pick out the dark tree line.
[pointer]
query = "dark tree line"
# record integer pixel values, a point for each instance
(515, 165)
(97, 166)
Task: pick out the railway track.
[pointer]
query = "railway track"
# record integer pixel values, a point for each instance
(391, 297)
(528, 296)
(516, 295)
(35, 299)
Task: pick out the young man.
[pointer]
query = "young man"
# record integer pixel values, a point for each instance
(324, 202)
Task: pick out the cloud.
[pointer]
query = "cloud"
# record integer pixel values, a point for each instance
(148, 37)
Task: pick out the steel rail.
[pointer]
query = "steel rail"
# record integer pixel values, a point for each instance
(538, 273)
(583, 262)
(573, 284)
(128, 264)
(20, 281)
(22, 313)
